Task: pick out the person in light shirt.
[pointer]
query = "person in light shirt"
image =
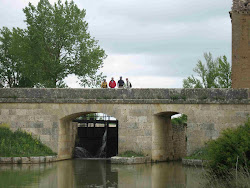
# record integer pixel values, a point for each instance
(127, 84)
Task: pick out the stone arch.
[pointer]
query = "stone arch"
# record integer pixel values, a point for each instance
(134, 132)
(67, 131)
(164, 138)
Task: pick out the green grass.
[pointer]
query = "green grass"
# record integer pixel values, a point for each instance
(201, 153)
(239, 178)
(21, 144)
(131, 154)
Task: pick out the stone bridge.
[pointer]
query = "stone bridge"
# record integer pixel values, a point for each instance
(144, 116)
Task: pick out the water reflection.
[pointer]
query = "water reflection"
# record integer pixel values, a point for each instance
(94, 173)
(83, 173)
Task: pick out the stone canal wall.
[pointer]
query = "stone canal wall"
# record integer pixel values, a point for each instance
(130, 160)
(143, 114)
(194, 162)
(27, 160)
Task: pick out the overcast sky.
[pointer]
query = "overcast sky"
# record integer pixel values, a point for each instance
(155, 43)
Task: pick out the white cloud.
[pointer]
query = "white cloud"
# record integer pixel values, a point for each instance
(156, 82)
(149, 41)
(138, 81)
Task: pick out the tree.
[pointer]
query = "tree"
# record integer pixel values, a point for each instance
(93, 81)
(213, 74)
(60, 44)
(55, 44)
(11, 62)
(224, 71)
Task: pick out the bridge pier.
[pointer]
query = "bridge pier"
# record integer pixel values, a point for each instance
(66, 139)
(162, 137)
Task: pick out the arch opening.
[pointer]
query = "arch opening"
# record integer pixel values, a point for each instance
(88, 135)
(97, 136)
(169, 140)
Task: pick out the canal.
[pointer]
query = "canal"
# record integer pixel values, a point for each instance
(99, 173)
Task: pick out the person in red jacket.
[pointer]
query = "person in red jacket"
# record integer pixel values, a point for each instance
(112, 83)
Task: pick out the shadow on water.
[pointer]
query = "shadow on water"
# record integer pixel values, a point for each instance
(99, 173)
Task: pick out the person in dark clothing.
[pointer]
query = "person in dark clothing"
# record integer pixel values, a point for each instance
(120, 83)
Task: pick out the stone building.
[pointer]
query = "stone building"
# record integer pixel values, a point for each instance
(240, 16)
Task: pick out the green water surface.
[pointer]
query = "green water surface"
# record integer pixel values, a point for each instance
(99, 173)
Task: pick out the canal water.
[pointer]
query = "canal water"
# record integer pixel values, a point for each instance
(99, 173)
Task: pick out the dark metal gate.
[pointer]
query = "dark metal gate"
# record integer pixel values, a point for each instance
(91, 136)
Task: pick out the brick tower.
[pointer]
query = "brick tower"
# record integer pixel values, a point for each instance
(240, 16)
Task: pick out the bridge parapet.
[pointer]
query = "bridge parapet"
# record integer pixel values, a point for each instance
(119, 96)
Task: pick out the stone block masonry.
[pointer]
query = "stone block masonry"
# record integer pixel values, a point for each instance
(241, 5)
(240, 16)
(119, 96)
(130, 160)
(143, 115)
(27, 160)
(179, 141)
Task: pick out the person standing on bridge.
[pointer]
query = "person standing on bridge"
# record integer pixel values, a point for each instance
(120, 83)
(112, 83)
(128, 84)
(104, 84)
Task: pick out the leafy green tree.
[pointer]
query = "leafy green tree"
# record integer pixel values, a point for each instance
(214, 74)
(224, 71)
(59, 43)
(55, 44)
(12, 73)
(93, 81)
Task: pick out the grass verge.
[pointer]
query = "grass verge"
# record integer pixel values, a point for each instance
(131, 154)
(201, 153)
(21, 144)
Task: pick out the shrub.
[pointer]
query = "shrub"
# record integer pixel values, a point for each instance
(179, 120)
(230, 149)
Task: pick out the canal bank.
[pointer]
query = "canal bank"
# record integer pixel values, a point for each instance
(27, 160)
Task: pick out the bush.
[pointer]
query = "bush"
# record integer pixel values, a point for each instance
(179, 120)
(230, 149)
(21, 144)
